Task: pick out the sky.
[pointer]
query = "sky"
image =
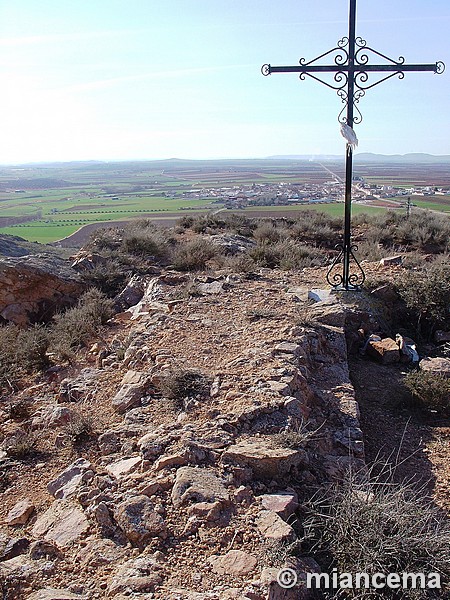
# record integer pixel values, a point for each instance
(155, 79)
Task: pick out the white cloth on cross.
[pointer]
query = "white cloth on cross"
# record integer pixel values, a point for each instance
(348, 133)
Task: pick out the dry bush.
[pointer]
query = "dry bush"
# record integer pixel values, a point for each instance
(19, 410)
(286, 254)
(8, 366)
(366, 525)
(239, 263)
(295, 437)
(22, 351)
(426, 294)
(32, 346)
(77, 326)
(20, 444)
(193, 255)
(142, 238)
(424, 230)
(317, 228)
(431, 390)
(267, 232)
(78, 427)
(111, 276)
(185, 384)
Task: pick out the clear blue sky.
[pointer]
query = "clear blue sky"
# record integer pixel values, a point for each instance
(130, 79)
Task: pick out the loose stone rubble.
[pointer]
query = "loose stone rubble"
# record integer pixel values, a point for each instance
(179, 501)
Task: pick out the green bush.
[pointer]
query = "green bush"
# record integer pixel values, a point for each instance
(430, 389)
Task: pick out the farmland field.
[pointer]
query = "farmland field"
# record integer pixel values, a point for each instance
(51, 201)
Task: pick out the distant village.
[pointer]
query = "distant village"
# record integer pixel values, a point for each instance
(285, 194)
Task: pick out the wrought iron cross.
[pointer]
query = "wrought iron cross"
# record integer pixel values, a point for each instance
(351, 70)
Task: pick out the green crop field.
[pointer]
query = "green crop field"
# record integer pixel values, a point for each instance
(49, 202)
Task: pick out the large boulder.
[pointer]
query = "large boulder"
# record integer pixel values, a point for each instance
(32, 288)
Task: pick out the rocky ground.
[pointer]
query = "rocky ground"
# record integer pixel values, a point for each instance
(172, 495)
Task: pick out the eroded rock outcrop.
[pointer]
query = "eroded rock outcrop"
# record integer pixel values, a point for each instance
(32, 288)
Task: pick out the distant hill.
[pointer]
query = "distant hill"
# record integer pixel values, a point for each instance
(415, 157)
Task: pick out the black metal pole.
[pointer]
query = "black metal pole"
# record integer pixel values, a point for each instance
(349, 155)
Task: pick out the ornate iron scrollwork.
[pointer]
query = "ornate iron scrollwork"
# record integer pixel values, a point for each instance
(346, 278)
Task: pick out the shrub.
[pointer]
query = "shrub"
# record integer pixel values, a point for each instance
(22, 351)
(32, 346)
(78, 325)
(426, 294)
(265, 255)
(267, 232)
(193, 255)
(424, 230)
(20, 444)
(184, 385)
(430, 389)
(111, 276)
(317, 228)
(365, 525)
(286, 254)
(142, 238)
(19, 410)
(8, 365)
(78, 427)
(295, 437)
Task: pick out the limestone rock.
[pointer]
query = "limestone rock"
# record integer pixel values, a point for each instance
(132, 388)
(235, 563)
(53, 594)
(385, 351)
(173, 460)
(14, 547)
(264, 460)
(321, 295)
(63, 523)
(124, 466)
(98, 553)
(138, 576)
(438, 366)
(391, 260)
(67, 482)
(201, 485)
(283, 504)
(131, 294)
(139, 520)
(232, 243)
(79, 388)
(34, 287)
(272, 527)
(20, 512)
(53, 416)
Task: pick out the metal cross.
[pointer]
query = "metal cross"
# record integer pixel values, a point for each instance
(351, 70)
